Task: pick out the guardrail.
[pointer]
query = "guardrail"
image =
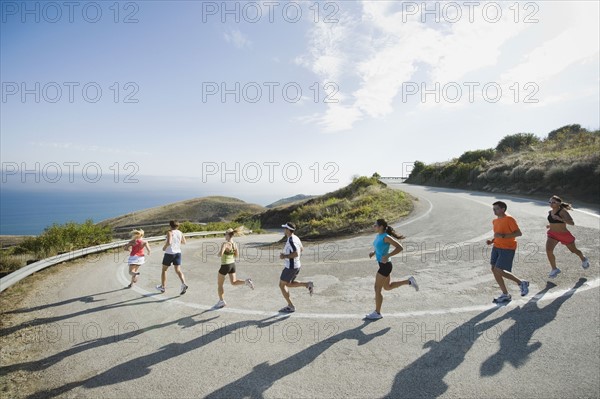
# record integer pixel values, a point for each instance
(28, 270)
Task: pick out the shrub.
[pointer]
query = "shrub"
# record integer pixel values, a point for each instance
(477, 156)
(66, 237)
(516, 142)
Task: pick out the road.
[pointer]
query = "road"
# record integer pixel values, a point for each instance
(89, 337)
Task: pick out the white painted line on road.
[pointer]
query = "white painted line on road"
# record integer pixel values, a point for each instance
(432, 312)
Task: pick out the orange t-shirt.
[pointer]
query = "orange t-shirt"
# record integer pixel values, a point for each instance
(505, 225)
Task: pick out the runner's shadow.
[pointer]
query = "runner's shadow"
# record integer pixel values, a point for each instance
(263, 376)
(84, 299)
(516, 343)
(142, 366)
(130, 334)
(48, 320)
(424, 378)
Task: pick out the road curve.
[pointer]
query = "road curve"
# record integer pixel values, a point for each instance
(87, 336)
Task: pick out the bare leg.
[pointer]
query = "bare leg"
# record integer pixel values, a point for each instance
(283, 286)
(574, 249)
(550, 245)
(498, 276)
(220, 290)
(180, 274)
(380, 282)
(234, 281)
(395, 284)
(163, 276)
(132, 271)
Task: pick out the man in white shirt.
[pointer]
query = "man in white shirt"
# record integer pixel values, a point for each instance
(291, 256)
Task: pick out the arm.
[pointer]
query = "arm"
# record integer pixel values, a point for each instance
(222, 250)
(129, 245)
(183, 241)
(564, 217)
(514, 234)
(397, 248)
(147, 247)
(168, 242)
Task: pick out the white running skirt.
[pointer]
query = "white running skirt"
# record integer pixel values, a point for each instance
(136, 260)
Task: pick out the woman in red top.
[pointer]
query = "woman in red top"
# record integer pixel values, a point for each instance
(136, 256)
(558, 219)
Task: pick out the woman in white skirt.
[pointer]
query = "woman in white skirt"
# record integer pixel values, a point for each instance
(136, 256)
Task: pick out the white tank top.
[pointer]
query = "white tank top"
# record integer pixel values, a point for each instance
(175, 246)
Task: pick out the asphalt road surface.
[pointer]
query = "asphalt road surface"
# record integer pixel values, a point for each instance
(88, 337)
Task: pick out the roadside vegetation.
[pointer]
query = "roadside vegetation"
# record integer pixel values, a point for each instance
(349, 210)
(566, 162)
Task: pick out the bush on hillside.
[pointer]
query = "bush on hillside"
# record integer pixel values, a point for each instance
(66, 237)
(477, 156)
(516, 142)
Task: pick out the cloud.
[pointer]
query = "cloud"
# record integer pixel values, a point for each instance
(373, 52)
(237, 38)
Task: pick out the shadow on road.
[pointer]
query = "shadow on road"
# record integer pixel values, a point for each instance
(128, 337)
(263, 376)
(142, 366)
(424, 378)
(516, 343)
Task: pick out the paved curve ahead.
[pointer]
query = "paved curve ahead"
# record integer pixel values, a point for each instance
(89, 337)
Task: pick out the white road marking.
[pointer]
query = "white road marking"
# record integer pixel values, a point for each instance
(431, 312)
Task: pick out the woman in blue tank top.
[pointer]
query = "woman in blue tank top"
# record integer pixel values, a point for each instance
(385, 237)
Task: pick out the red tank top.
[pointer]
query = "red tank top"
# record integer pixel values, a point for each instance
(137, 249)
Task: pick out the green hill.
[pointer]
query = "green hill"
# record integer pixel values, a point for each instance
(566, 163)
(197, 210)
(351, 209)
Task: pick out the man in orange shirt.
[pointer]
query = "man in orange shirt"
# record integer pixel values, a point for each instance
(503, 252)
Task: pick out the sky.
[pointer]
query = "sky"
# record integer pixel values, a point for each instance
(267, 99)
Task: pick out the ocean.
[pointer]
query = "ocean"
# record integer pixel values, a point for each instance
(30, 212)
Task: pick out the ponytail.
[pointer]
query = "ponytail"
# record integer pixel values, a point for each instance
(390, 231)
(563, 205)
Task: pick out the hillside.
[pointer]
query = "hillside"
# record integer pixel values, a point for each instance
(349, 210)
(566, 163)
(290, 200)
(197, 210)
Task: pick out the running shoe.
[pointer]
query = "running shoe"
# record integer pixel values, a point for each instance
(250, 283)
(502, 298)
(373, 316)
(311, 287)
(554, 273)
(413, 282)
(524, 286)
(585, 263)
(183, 289)
(160, 288)
(287, 309)
(219, 305)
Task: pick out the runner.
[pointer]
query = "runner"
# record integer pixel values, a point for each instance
(559, 218)
(228, 253)
(291, 256)
(503, 252)
(172, 256)
(136, 256)
(385, 237)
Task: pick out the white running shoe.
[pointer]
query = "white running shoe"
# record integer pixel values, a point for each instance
(250, 283)
(554, 273)
(160, 288)
(524, 286)
(413, 283)
(219, 305)
(502, 298)
(585, 263)
(183, 289)
(374, 316)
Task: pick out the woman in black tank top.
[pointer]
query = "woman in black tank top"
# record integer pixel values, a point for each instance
(559, 218)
